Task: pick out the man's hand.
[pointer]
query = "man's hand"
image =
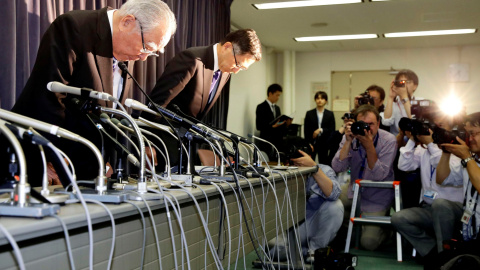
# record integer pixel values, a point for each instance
(460, 150)
(316, 132)
(425, 139)
(392, 94)
(401, 91)
(305, 161)
(348, 132)
(149, 151)
(366, 140)
(278, 123)
(52, 175)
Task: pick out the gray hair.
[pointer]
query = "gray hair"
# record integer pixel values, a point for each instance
(150, 14)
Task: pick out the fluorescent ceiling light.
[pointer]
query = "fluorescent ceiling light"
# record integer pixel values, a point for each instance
(341, 37)
(430, 33)
(306, 3)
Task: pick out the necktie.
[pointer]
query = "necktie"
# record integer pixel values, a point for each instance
(213, 87)
(274, 111)
(115, 64)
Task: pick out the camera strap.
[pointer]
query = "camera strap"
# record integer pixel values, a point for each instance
(364, 158)
(469, 224)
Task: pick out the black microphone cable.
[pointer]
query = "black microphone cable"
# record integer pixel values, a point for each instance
(125, 69)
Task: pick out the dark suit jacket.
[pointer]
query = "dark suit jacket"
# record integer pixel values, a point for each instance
(311, 124)
(75, 50)
(186, 82)
(264, 116)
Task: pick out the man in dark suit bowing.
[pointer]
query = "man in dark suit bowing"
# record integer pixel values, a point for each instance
(82, 48)
(267, 112)
(319, 124)
(194, 78)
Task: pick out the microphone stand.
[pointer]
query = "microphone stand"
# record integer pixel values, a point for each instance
(142, 183)
(20, 205)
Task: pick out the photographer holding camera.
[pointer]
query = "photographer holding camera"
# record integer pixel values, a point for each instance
(398, 102)
(369, 152)
(426, 226)
(323, 210)
(467, 173)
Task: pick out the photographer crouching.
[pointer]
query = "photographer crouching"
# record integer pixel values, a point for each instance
(369, 152)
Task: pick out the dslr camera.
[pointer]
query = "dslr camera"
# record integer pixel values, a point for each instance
(348, 115)
(292, 145)
(422, 113)
(441, 135)
(399, 83)
(359, 127)
(365, 99)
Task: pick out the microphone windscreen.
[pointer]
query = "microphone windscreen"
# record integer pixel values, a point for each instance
(115, 121)
(125, 122)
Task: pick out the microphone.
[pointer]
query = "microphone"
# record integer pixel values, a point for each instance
(183, 121)
(260, 139)
(55, 130)
(58, 87)
(119, 147)
(106, 119)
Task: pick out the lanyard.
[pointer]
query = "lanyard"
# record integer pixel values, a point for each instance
(362, 168)
(432, 171)
(473, 219)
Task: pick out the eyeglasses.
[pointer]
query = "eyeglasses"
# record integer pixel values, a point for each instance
(473, 134)
(236, 63)
(144, 50)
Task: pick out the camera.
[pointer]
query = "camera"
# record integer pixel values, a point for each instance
(399, 83)
(348, 115)
(293, 144)
(441, 135)
(365, 99)
(416, 127)
(423, 113)
(359, 127)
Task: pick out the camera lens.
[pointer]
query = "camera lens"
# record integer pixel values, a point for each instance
(359, 127)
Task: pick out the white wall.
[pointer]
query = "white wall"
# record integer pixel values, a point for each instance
(430, 64)
(248, 88)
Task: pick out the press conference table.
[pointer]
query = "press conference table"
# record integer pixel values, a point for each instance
(43, 246)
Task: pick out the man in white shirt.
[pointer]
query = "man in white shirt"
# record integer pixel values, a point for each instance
(434, 220)
(398, 102)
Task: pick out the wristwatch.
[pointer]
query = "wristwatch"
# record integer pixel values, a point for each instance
(404, 100)
(464, 161)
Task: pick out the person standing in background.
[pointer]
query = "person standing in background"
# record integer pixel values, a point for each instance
(318, 126)
(267, 112)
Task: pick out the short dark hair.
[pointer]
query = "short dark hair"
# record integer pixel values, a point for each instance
(377, 88)
(366, 108)
(321, 94)
(473, 119)
(245, 41)
(274, 88)
(409, 74)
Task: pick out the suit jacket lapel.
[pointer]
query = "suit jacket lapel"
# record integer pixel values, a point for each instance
(104, 54)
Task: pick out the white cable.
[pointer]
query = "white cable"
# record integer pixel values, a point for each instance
(142, 259)
(228, 223)
(112, 219)
(67, 240)
(16, 249)
(82, 201)
(154, 229)
(177, 214)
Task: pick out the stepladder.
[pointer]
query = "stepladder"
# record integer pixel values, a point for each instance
(385, 220)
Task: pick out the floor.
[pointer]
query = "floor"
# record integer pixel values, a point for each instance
(385, 258)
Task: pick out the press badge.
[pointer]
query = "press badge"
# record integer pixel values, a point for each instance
(430, 194)
(467, 214)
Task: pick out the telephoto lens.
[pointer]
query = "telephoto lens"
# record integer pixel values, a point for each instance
(359, 127)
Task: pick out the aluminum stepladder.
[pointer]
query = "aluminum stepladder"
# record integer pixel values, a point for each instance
(374, 220)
